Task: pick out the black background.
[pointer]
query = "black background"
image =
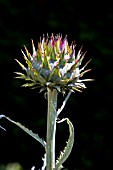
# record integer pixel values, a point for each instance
(88, 23)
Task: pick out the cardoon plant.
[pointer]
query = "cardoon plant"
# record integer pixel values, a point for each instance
(55, 68)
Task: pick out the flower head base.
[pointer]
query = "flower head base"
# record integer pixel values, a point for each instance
(54, 65)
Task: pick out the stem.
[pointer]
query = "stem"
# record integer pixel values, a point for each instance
(51, 128)
(64, 103)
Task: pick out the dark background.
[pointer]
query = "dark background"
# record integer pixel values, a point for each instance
(88, 23)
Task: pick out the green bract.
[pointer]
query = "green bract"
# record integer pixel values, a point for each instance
(54, 65)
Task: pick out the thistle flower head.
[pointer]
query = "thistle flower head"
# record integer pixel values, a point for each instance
(54, 65)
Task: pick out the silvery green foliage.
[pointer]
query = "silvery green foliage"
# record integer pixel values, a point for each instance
(63, 155)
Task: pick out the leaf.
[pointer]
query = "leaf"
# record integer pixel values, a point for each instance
(55, 75)
(67, 150)
(85, 65)
(34, 51)
(42, 89)
(53, 56)
(2, 128)
(45, 70)
(27, 52)
(58, 88)
(39, 54)
(35, 136)
(29, 63)
(36, 76)
(77, 89)
(28, 85)
(23, 67)
(45, 73)
(64, 82)
(84, 72)
(27, 60)
(62, 60)
(46, 63)
(81, 57)
(22, 76)
(69, 71)
(64, 103)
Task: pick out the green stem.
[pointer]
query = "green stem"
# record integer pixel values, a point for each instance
(51, 128)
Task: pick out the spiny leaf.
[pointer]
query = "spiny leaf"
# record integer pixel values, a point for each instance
(55, 76)
(42, 89)
(62, 61)
(84, 72)
(28, 85)
(46, 63)
(85, 65)
(75, 78)
(35, 136)
(68, 73)
(87, 80)
(79, 54)
(23, 67)
(67, 150)
(27, 59)
(75, 88)
(45, 70)
(27, 52)
(52, 54)
(29, 63)
(35, 76)
(20, 75)
(23, 76)
(82, 57)
(39, 54)
(34, 51)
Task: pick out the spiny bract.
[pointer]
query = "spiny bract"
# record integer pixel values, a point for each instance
(54, 65)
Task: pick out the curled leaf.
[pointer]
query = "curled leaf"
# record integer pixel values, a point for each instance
(67, 150)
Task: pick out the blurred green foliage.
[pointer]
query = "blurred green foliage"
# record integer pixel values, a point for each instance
(90, 25)
(11, 166)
